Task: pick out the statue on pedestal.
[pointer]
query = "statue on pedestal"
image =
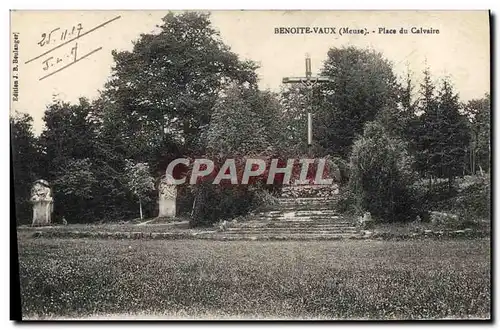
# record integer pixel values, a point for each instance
(43, 203)
(167, 197)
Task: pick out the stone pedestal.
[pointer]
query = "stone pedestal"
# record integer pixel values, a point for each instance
(167, 199)
(42, 213)
(43, 204)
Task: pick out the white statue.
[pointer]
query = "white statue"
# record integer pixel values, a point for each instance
(43, 203)
(167, 197)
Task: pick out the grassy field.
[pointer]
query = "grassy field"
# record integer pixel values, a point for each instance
(211, 279)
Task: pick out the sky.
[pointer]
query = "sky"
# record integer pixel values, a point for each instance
(460, 50)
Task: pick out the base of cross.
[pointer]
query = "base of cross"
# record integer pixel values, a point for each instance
(310, 152)
(313, 150)
(310, 191)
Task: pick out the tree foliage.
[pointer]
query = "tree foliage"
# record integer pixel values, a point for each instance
(244, 121)
(68, 134)
(381, 175)
(295, 103)
(154, 108)
(74, 187)
(139, 182)
(170, 81)
(245, 124)
(478, 112)
(181, 92)
(443, 135)
(25, 162)
(76, 179)
(363, 83)
(397, 118)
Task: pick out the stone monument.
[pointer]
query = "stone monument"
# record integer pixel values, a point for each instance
(167, 192)
(43, 203)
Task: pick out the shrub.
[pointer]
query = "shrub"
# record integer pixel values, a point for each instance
(475, 200)
(381, 176)
(215, 202)
(218, 202)
(469, 198)
(472, 203)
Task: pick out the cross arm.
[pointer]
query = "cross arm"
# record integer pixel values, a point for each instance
(289, 80)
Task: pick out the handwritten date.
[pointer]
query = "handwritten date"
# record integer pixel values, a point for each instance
(51, 61)
(57, 35)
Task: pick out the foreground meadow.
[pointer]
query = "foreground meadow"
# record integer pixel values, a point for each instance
(65, 278)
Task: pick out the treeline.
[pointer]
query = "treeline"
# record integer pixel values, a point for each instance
(183, 93)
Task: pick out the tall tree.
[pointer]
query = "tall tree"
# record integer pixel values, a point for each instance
(25, 157)
(75, 187)
(68, 134)
(397, 119)
(67, 153)
(363, 83)
(244, 121)
(168, 84)
(478, 113)
(295, 102)
(407, 98)
(457, 136)
(424, 127)
(444, 135)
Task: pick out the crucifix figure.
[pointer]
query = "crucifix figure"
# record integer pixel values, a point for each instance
(309, 82)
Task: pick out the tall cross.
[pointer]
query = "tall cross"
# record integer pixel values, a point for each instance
(309, 82)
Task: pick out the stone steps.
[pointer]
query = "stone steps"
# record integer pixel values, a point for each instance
(289, 208)
(304, 219)
(297, 236)
(310, 216)
(295, 222)
(299, 213)
(298, 205)
(292, 224)
(312, 201)
(294, 218)
(290, 231)
(304, 199)
(309, 190)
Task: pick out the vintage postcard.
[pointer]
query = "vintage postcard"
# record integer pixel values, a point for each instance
(251, 165)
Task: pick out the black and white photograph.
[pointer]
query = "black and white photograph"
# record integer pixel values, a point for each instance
(251, 165)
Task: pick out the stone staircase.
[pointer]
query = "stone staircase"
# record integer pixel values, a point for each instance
(295, 218)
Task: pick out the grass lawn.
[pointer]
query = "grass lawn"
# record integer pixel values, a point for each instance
(244, 279)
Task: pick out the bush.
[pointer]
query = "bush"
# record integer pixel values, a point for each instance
(469, 198)
(472, 202)
(475, 200)
(218, 202)
(224, 201)
(381, 176)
